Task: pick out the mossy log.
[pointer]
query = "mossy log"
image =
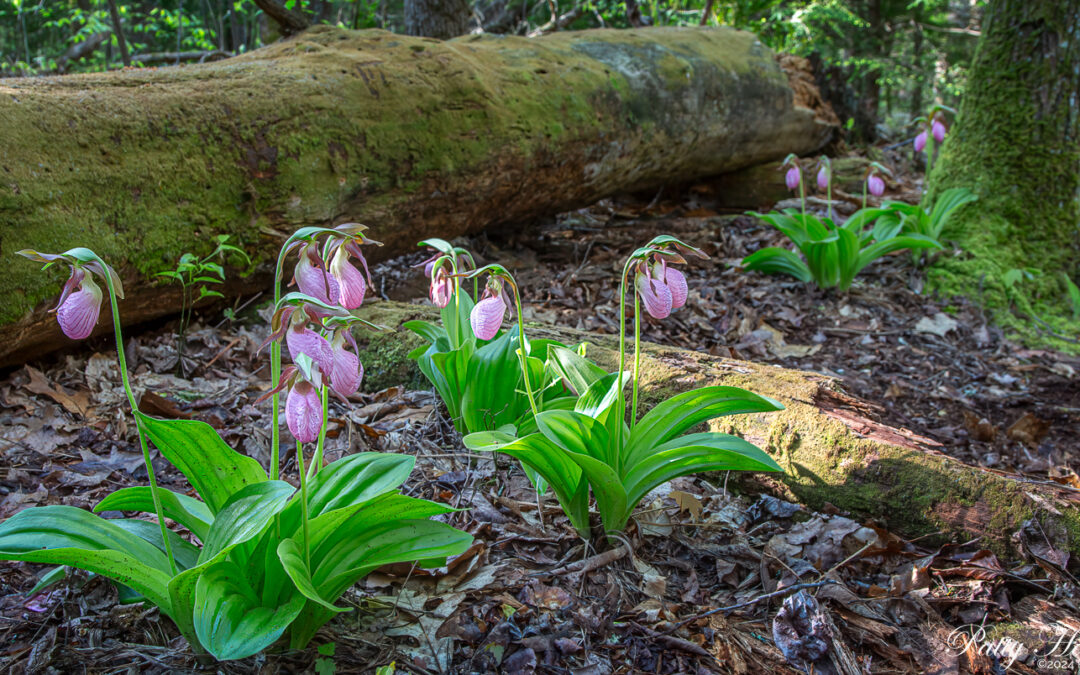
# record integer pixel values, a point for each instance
(831, 448)
(412, 136)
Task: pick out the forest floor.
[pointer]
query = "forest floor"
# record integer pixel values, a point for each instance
(528, 597)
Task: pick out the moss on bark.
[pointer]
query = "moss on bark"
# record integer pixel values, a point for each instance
(411, 136)
(830, 452)
(1017, 144)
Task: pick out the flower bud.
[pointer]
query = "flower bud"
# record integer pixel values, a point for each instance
(487, 316)
(655, 296)
(303, 412)
(920, 141)
(823, 178)
(792, 178)
(938, 130)
(78, 310)
(875, 185)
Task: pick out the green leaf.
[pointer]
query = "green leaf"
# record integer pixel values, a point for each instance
(229, 618)
(576, 432)
(683, 411)
(185, 553)
(883, 248)
(244, 516)
(601, 396)
(292, 558)
(65, 535)
(578, 372)
(188, 511)
(774, 260)
(489, 398)
(214, 469)
(455, 318)
(691, 454)
(426, 330)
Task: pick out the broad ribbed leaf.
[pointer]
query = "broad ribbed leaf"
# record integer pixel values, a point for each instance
(244, 516)
(847, 252)
(883, 248)
(786, 223)
(292, 558)
(426, 330)
(188, 511)
(214, 469)
(490, 396)
(607, 489)
(185, 553)
(65, 535)
(578, 372)
(946, 203)
(681, 412)
(600, 397)
(576, 432)
(229, 618)
(694, 453)
(455, 318)
(774, 260)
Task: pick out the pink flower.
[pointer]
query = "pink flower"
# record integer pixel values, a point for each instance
(302, 340)
(823, 178)
(792, 178)
(655, 295)
(920, 141)
(938, 130)
(313, 280)
(303, 412)
(350, 281)
(876, 185)
(442, 288)
(347, 372)
(487, 316)
(676, 283)
(78, 310)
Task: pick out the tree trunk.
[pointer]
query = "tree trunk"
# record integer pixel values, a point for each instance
(828, 443)
(118, 31)
(410, 136)
(1017, 144)
(442, 19)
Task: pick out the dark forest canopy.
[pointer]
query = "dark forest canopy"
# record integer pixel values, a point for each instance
(885, 60)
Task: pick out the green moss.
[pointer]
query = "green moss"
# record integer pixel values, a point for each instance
(1011, 146)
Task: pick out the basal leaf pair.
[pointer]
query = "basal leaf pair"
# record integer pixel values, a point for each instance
(832, 255)
(248, 582)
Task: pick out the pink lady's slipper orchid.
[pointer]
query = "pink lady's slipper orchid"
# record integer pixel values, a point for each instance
(920, 141)
(302, 340)
(875, 185)
(675, 281)
(348, 372)
(938, 129)
(350, 281)
(313, 279)
(442, 287)
(792, 178)
(487, 316)
(823, 178)
(303, 411)
(655, 295)
(79, 306)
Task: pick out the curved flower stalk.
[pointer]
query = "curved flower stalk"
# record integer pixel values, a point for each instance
(77, 313)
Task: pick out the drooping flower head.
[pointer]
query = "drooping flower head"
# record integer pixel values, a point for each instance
(324, 269)
(303, 405)
(351, 284)
(662, 287)
(79, 306)
(938, 130)
(675, 280)
(442, 287)
(312, 277)
(920, 141)
(824, 174)
(875, 185)
(487, 315)
(347, 372)
(793, 176)
(654, 292)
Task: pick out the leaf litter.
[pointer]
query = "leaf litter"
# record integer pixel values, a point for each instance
(705, 581)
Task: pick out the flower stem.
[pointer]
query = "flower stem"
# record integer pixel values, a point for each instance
(303, 503)
(637, 357)
(138, 426)
(522, 353)
(621, 399)
(316, 461)
(275, 375)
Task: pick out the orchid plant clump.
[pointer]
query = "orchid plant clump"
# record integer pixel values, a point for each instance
(932, 131)
(599, 447)
(832, 254)
(269, 558)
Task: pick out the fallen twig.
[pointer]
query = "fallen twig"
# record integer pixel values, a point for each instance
(587, 565)
(732, 608)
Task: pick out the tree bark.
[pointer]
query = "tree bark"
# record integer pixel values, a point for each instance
(1017, 144)
(831, 448)
(114, 15)
(412, 137)
(441, 19)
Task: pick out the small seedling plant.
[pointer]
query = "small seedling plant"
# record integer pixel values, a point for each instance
(263, 558)
(832, 254)
(195, 275)
(600, 448)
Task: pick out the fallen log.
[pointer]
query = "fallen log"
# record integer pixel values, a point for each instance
(412, 136)
(832, 449)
